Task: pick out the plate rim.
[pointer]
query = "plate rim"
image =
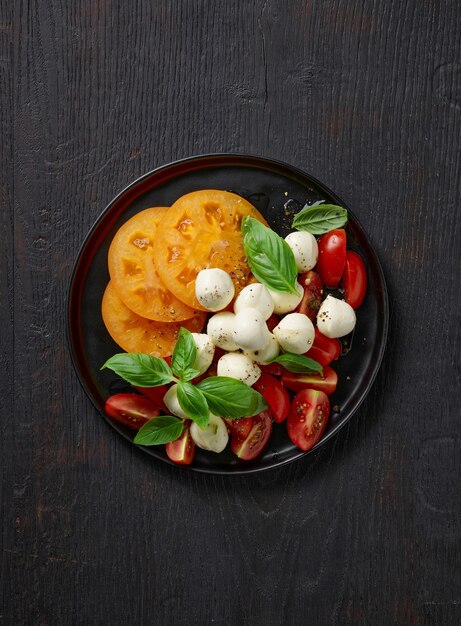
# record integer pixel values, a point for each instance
(257, 159)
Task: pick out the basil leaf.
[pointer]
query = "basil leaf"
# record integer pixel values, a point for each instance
(319, 219)
(141, 370)
(184, 353)
(228, 397)
(269, 256)
(298, 363)
(159, 430)
(193, 402)
(189, 374)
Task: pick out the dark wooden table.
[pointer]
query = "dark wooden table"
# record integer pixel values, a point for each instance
(364, 95)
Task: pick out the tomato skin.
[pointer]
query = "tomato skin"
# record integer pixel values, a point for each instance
(249, 447)
(332, 257)
(272, 368)
(312, 297)
(156, 394)
(308, 418)
(354, 279)
(182, 451)
(239, 427)
(324, 350)
(275, 395)
(272, 321)
(131, 410)
(325, 382)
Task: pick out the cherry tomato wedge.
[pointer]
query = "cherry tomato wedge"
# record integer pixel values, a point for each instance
(308, 417)
(312, 298)
(156, 394)
(182, 451)
(131, 410)
(332, 257)
(354, 279)
(239, 427)
(325, 382)
(248, 448)
(272, 368)
(324, 350)
(275, 395)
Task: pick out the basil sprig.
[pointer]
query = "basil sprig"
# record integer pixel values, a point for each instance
(184, 353)
(193, 402)
(162, 429)
(231, 398)
(269, 256)
(141, 370)
(320, 218)
(298, 363)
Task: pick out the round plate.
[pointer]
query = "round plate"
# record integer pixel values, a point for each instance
(278, 191)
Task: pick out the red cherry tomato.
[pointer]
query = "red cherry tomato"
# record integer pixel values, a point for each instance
(272, 321)
(324, 350)
(131, 410)
(325, 382)
(275, 395)
(312, 298)
(239, 427)
(272, 368)
(155, 394)
(332, 257)
(354, 279)
(182, 451)
(248, 448)
(308, 417)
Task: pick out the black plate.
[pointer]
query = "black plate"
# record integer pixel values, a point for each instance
(278, 191)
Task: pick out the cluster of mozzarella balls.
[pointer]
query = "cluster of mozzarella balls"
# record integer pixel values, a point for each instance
(244, 334)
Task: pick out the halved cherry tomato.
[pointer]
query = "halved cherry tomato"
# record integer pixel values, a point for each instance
(354, 279)
(272, 322)
(248, 448)
(332, 257)
(325, 382)
(131, 410)
(312, 298)
(272, 368)
(308, 417)
(324, 350)
(275, 395)
(155, 394)
(239, 427)
(182, 451)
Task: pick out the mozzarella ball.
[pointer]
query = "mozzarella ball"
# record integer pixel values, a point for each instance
(267, 353)
(205, 352)
(305, 249)
(170, 400)
(239, 366)
(335, 318)
(214, 289)
(255, 296)
(250, 330)
(213, 437)
(286, 302)
(220, 330)
(295, 333)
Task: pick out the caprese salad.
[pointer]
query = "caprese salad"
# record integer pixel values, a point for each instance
(227, 327)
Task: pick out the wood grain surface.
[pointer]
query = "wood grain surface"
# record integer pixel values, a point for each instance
(366, 96)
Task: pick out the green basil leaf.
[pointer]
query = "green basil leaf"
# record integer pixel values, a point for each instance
(269, 256)
(162, 429)
(189, 374)
(228, 397)
(193, 402)
(298, 363)
(321, 218)
(184, 353)
(141, 370)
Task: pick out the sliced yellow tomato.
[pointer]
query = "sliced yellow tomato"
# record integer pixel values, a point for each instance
(133, 274)
(202, 230)
(134, 333)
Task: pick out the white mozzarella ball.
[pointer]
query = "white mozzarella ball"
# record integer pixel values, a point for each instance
(295, 333)
(267, 353)
(305, 249)
(239, 366)
(335, 318)
(250, 330)
(255, 296)
(220, 330)
(286, 302)
(214, 289)
(213, 437)
(170, 400)
(205, 352)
